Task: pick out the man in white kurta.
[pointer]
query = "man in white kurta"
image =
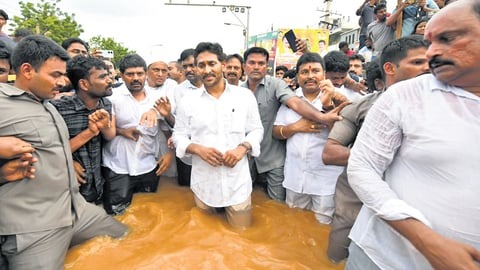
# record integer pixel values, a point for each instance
(415, 162)
(218, 126)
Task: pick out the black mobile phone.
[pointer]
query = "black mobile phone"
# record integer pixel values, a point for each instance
(290, 36)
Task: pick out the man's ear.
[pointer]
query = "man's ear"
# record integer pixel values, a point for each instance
(83, 85)
(389, 68)
(27, 70)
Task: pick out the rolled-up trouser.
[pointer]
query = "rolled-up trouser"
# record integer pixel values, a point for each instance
(238, 215)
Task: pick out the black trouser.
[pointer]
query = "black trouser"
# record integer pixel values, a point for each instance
(119, 188)
(184, 172)
(3, 260)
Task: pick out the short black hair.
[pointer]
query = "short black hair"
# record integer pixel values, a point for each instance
(398, 49)
(235, 55)
(4, 14)
(5, 52)
(284, 68)
(310, 57)
(373, 72)
(357, 57)
(186, 53)
(259, 50)
(210, 47)
(22, 32)
(130, 61)
(379, 7)
(35, 50)
(342, 44)
(291, 74)
(66, 43)
(79, 68)
(336, 61)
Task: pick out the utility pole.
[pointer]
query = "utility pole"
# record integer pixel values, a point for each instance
(233, 9)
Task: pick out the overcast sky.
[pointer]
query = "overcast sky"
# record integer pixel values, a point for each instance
(161, 31)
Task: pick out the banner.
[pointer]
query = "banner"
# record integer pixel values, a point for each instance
(317, 41)
(267, 41)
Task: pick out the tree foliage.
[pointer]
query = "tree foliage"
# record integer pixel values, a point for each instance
(119, 51)
(45, 18)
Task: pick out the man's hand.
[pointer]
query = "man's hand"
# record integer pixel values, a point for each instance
(446, 254)
(209, 154)
(163, 106)
(332, 116)
(11, 147)
(165, 162)
(19, 168)
(305, 125)
(327, 89)
(129, 133)
(441, 252)
(79, 172)
(101, 118)
(233, 156)
(92, 127)
(149, 118)
(302, 45)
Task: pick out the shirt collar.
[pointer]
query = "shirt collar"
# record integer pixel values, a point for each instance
(13, 91)
(299, 93)
(436, 85)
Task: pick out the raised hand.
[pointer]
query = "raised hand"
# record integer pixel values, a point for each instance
(163, 106)
(101, 118)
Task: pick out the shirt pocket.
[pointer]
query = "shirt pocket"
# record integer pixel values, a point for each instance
(28, 131)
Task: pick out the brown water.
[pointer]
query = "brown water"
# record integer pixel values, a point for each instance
(168, 232)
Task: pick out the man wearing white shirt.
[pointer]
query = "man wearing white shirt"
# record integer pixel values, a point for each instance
(309, 183)
(414, 164)
(163, 89)
(218, 126)
(190, 85)
(129, 163)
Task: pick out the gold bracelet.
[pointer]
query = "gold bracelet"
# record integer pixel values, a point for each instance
(281, 133)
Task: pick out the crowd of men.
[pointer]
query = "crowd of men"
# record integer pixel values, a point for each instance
(393, 171)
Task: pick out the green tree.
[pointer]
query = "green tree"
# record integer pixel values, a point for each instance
(45, 18)
(119, 51)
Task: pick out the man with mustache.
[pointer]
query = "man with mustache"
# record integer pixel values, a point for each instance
(189, 86)
(42, 217)
(163, 89)
(129, 159)
(233, 70)
(380, 31)
(218, 126)
(270, 94)
(88, 115)
(414, 164)
(400, 60)
(175, 72)
(309, 183)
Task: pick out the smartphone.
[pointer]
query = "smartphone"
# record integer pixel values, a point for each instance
(290, 36)
(106, 53)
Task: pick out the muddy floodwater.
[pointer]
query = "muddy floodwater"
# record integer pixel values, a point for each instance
(168, 232)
